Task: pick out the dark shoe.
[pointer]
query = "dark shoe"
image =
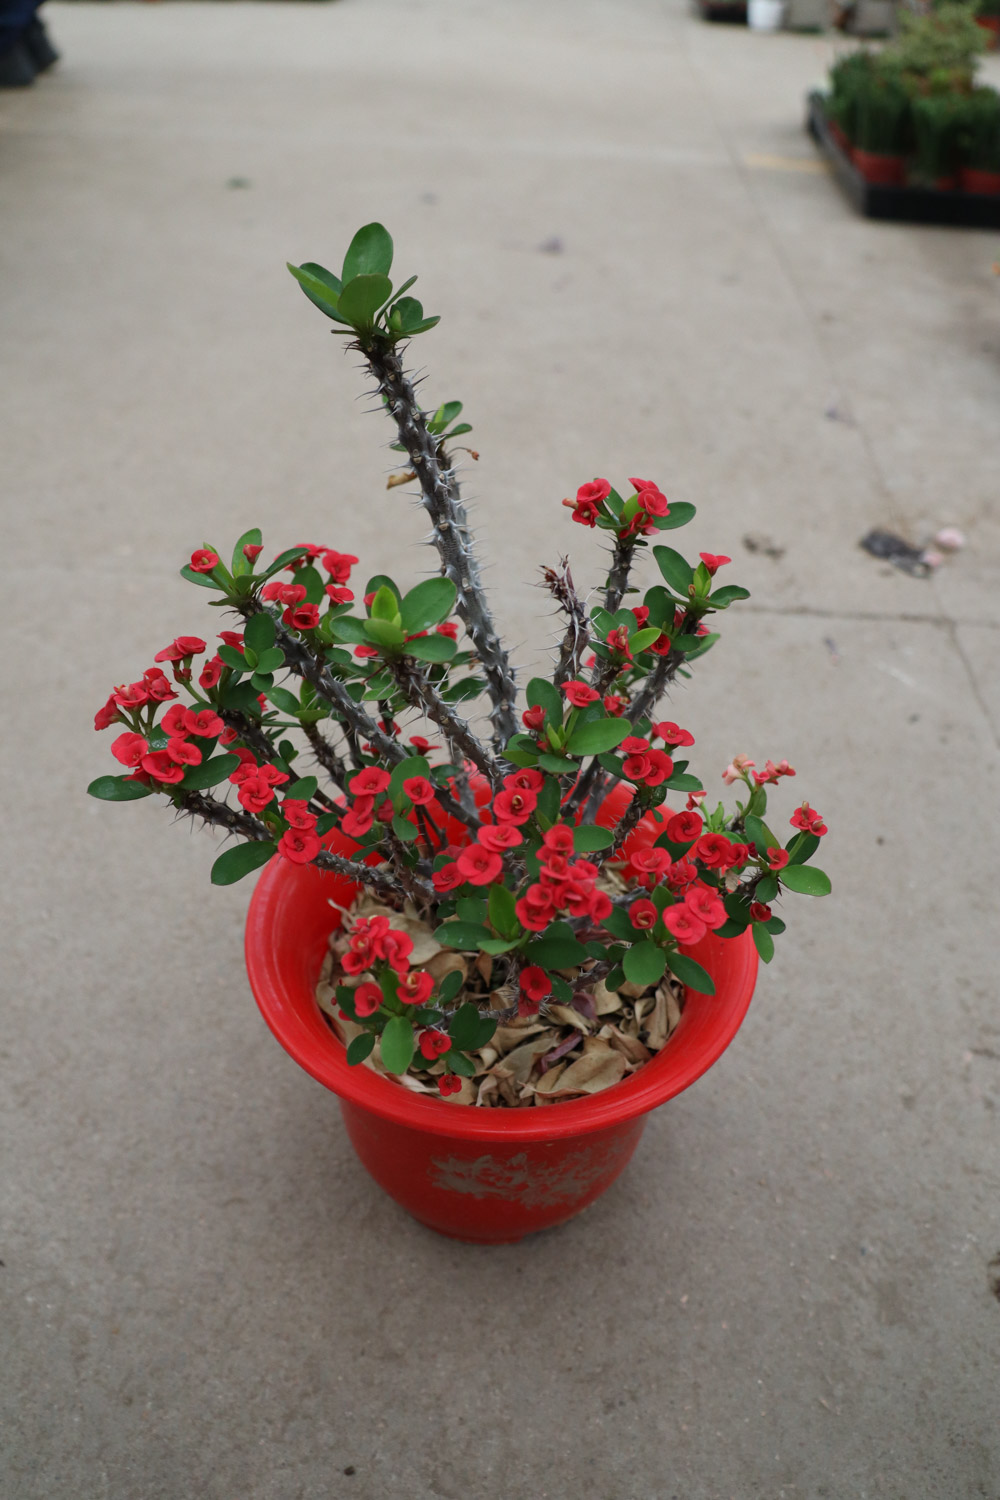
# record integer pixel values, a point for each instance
(36, 39)
(17, 67)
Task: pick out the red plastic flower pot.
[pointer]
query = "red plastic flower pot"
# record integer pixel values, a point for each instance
(488, 1175)
(974, 180)
(886, 171)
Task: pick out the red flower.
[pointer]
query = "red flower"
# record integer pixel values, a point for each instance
(108, 715)
(251, 552)
(449, 1083)
(535, 985)
(183, 646)
(415, 987)
(771, 773)
(514, 805)
(183, 752)
(396, 950)
(339, 565)
(777, 859)
(706, 905)
(713, 563)
(589, 498)
(499, 836)
(302, 616)
(527, 779)
(449, 628)
(641, 612)
(759, 912)
(369, 782)
(615, 706)
(682, 922)
(204, 723)
(652, 499)
(684, 827)
(643, 914)
(681, 874)
(129, 749)
(617, 641)
(246, 767)
(295, 811)
(633, 745)
(653, 862)
(159, 765)
(713, 850)
(434, 1044)
(172, 722)
(448, 878)
(419, 790)
(255, 792)
(809, 820)
(557, 840)
(357, 821)
(158, 686)
(534, 718)
(204, 560)
(579, 694)
(479, 865)
(420, 745)
(300, 845)
(367, 998)
(339, 595)
(133, 696)
(210, 673)
(535, 914)
(671, 734)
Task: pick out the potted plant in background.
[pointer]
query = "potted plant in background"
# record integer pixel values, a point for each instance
(500, 949)
(882, 123)
(980, 142)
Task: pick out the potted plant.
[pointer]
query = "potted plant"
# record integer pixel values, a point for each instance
(980, 143)
(500, 949)
(882, 123)
(937, 126)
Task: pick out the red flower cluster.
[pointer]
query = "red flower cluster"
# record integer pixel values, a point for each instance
(565, 885)
(482, 862)
(809, 820)
(772, 773)
(643, 765)
(589, 499)
(652, 506)
(301, 842)
(255, 784)
(373, 940)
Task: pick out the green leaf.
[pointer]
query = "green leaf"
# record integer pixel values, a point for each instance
(312, 581)
(450, 986)
(722, 598)
(556, 953)
(320, 286)
(240, 860)
(360, 1048)
(767, 888)
(644, 638)
(763, 942)
(349, 628)
(618, 924)
(283, 699)
(118, 789)
(494, 946)
(383, 632)
(361, 299)
(302, 790)
(680, 781)
(644, 963)
(430, 603)
(541, 693)
(705, 643)
(598, 736)
(555, 764)
(209, 773)
(691, 974)
(405, 830)
(204, 580)
(681, 512)
(759, 834)
(249, 538)
(465, 1027)
(385, 605)
(678, 573)
(805, 879)
(232, 657)
(282, 560)
(463, 1066)
(398, 1044)
(591, 837)
(801, 847)
(259, 633)
(270, 661)
(502, 915)
(431, 648)
(465, 936)
(406, 313)
(370, 252)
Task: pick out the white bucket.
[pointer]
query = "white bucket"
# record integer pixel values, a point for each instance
(765, 15)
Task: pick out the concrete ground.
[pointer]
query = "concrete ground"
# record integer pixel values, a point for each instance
(641, 269)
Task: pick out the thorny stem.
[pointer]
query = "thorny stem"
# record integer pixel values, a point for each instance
(223, 816)
(629, 819)
(423, 695)
(327, 756)
(621, 562)
(441, 499)
(574, 643)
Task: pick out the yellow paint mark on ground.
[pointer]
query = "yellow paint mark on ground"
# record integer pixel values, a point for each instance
(767, 163)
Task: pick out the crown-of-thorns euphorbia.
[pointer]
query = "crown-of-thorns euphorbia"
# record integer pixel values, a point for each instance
(491, 839)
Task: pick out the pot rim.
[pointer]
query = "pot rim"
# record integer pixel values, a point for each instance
(288, 1004)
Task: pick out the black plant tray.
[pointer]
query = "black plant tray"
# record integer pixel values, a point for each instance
(916, 204)
(723, 10)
